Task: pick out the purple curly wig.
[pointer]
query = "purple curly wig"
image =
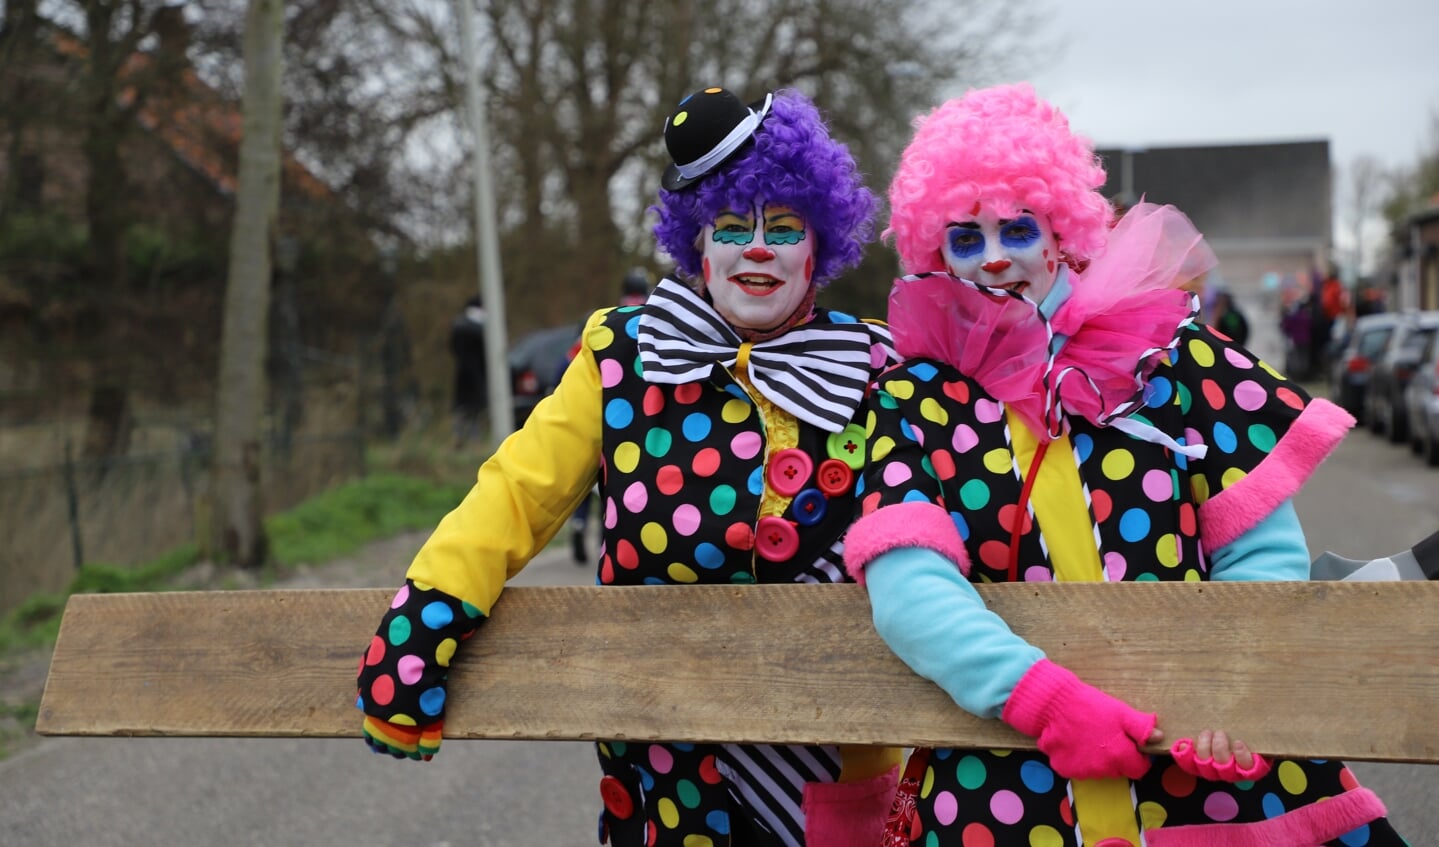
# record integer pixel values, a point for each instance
(792, 161)
(1008, 148)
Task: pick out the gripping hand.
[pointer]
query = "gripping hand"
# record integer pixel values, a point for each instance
(1086, 733)
(403, 742)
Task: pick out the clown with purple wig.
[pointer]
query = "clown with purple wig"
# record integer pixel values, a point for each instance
(1061, 416)
(722, 420)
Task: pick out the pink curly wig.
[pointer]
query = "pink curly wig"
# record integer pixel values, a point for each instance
(1008, 148)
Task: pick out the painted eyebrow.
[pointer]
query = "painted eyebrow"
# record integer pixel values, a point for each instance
(1001, 221)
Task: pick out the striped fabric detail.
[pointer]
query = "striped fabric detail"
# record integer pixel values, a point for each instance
(770, 782)
(829, 567)
(816, 373)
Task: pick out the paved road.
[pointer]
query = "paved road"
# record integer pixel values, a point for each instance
(1370, 499)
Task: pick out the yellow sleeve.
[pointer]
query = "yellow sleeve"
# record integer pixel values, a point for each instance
(859, 763)
(523, 493)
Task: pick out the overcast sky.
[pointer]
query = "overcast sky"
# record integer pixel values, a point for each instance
(1362, 73)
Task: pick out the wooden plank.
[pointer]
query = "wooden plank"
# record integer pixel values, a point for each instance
(1325, 670)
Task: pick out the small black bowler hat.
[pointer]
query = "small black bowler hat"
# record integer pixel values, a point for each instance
(706, 129)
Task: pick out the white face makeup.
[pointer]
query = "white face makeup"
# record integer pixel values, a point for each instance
(1019, 254)
(757, 270)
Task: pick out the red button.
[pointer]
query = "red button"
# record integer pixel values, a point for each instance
(789, 471)
(835, 477)
(617, 799)
(776, 539)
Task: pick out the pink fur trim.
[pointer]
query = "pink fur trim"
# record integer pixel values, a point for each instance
(902, 525)
(1240, 507)
(1314, 824)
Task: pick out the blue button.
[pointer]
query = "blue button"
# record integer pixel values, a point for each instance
(809, 507)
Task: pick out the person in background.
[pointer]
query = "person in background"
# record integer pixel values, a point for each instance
(1296, 322)
(1226, 317)
(723, 422)
(1330, 303)
(467, 348)
(634, 290)
(1049, 424)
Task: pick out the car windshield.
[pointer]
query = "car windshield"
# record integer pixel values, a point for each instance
(1418, 340)
(1372, 343)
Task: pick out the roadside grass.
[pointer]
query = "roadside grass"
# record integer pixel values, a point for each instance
(419, 481)
(324, 527)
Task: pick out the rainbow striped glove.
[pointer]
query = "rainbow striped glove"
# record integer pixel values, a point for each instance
(420, 743)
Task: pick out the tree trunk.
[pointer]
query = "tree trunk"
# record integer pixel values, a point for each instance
(106, 216)
(237, 532)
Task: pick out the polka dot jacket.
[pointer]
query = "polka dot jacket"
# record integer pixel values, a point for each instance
(936, 437)
(704, 482)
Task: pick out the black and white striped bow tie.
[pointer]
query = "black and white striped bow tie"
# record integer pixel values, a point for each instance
(818, 374)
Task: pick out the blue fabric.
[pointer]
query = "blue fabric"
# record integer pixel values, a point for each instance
(1273, 550)
(933, 619)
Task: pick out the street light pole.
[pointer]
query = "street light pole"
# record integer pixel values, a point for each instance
(487, 244)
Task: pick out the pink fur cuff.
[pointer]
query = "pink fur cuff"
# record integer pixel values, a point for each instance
(1240, 507)
(1316, 823)
(902, 525)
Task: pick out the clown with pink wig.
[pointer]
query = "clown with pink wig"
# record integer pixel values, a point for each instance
(1061, 415)
(718, 419)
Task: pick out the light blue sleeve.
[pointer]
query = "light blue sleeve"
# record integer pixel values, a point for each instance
(933, 619)
(1273, 550)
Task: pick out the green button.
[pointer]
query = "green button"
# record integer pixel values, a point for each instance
(847, 445)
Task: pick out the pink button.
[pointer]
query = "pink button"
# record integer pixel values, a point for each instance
(1115, 842)
(776, 539)
(788, 471)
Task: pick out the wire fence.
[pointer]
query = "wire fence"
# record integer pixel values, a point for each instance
(127, 510)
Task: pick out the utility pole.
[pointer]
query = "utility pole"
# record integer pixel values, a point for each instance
(487, 242)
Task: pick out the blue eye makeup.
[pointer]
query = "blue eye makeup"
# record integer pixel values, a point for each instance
(788, 236)
(733, 228)
(964, 242)
(734, 236)
(1020, 232)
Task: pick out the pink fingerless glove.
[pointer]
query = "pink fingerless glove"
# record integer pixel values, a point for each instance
(848, 814)
(1086, 733)
(1230, 771)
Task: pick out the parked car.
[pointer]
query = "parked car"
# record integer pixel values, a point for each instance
(1384, 399)
(537, 360)
(1349, 371)
(1421, 399)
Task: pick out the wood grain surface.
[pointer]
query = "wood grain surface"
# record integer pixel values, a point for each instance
(1318, 669)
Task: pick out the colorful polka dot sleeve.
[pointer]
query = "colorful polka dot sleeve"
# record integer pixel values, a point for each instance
(403, 673)
(1225, 398)
(900, 469)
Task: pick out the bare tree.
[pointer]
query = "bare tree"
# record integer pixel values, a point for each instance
(1414, 188)
(1363, 193)
(115, 81)
(237, 533)
(580, 88)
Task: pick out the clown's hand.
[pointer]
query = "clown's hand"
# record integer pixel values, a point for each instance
(1086, 733)
(1212, 756)
(403, 742)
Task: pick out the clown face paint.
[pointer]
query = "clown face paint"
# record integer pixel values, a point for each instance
(1019, 254)
(757, 270)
